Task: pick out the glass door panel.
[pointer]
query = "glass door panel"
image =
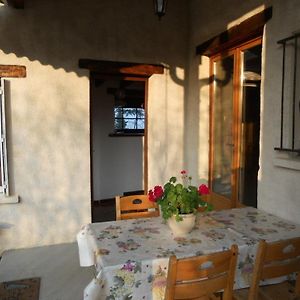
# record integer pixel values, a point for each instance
(222, 122)
(235, 125)
(250, 118)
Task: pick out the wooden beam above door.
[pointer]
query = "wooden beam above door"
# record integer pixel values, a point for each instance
(126, 68)
(246, 30)
(12, 71)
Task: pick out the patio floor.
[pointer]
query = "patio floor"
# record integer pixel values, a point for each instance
(58, 267)
(63, 279)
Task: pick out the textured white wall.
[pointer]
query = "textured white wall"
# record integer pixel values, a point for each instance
(48, 111)
(166, 126)
(278, 187)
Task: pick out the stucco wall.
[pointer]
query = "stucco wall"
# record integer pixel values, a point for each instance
(48, 111)
(278, 187)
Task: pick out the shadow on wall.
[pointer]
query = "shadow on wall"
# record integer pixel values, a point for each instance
(58, 33)
(48, 129)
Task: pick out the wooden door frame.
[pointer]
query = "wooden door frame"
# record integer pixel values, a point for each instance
(238, 113)
(112, 70)
(218, 200)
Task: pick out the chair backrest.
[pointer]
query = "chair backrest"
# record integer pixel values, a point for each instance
(274, 260)
(201, 276)
(135, 206)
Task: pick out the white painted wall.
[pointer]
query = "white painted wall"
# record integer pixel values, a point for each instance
(278, 188)
(48, 111)
(117, 161)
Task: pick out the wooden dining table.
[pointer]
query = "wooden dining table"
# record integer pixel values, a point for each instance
(131, 256)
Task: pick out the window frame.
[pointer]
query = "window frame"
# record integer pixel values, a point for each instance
(4, 183)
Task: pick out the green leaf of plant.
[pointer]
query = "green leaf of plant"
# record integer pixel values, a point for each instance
(173, 179)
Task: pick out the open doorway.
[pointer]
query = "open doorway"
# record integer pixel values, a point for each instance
(250, 125)
(118, 142)
(118, 121)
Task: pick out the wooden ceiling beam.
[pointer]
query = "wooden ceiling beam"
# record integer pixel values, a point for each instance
(19, 4)
(12, 71)
(125, 68)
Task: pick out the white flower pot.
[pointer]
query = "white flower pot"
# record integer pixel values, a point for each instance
(182, 228)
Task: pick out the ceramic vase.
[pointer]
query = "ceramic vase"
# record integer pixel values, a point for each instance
(182, 228)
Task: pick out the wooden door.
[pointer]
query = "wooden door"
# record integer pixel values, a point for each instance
(229, 133)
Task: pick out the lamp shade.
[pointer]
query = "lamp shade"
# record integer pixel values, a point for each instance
(160, 7)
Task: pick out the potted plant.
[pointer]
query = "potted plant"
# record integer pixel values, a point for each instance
(179, 202)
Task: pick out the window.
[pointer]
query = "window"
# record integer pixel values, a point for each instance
(128, 108)
(129, 119)
(290, 91)
(6, 71)
(4, 190)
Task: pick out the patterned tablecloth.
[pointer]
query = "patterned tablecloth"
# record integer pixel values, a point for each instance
(131, 256)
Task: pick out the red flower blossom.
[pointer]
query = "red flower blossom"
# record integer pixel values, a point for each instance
(203, 189)
(156, 193)
(151, 196)
(183, 172)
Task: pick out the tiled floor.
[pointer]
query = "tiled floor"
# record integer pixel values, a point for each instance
(62, 278)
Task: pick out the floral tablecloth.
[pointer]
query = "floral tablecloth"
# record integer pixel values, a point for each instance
(131, 256)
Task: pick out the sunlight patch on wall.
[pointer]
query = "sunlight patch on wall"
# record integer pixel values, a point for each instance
(179, 73)
(203, 111)
(262, 102)
(246, 16)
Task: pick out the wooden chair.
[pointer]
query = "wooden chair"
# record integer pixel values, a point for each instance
(199, 277)
(274, 260)
(135, 206)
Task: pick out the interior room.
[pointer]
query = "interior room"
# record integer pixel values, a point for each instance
(117, 145)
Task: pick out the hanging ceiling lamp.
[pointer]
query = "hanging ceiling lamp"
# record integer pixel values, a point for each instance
(160, 7)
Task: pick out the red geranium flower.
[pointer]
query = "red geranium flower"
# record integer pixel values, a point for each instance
(151, 196)
(203, 189)
(183, 172)
(156, 193)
